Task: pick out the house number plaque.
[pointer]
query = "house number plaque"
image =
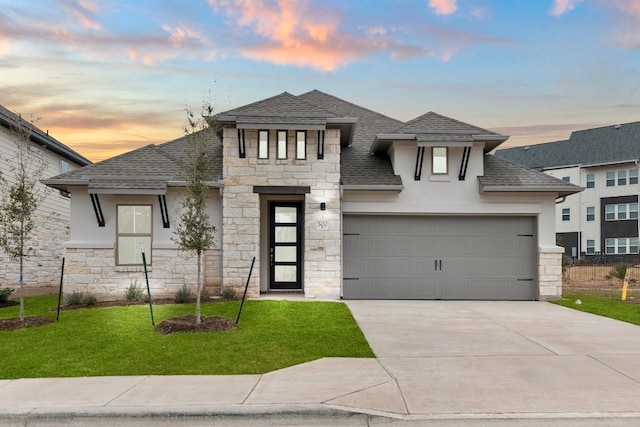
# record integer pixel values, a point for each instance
(322, 225)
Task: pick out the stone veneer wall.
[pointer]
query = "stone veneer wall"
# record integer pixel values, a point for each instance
(550, 274)
(42, 267)
(93, 271)
(241, 209)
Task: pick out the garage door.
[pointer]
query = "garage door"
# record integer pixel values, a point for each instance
(417, 257)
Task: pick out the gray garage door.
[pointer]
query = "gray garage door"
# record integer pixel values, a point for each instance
(418, 257)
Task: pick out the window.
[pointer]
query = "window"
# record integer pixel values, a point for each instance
(133, 228)
(591, 180)
(439, 162)
(591, 247)
(622, 177)
(624, 245)
(301, 145)
(621, 211)
(633, 176)
(566, 214)
(282, 144)
(36, 150)
(611, 179)
(566, 179)
(263, 144)
(64, 166)
(591, 213)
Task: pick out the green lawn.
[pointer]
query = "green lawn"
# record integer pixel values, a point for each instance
(604, 305)
(121, 341)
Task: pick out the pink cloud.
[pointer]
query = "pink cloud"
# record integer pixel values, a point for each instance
(443, 7)
(84, 11)
(561, 7)
(182, 34)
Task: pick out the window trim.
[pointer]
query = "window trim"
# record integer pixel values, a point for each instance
(148, 252)
(260, 144)
(613, 211)
(566, 214)
(633, 175)
(622, 178)
(611, 179)
(590, 249)
(281, 145)
(591, 213)
(433, 161)
(591, 183)
(613, 245)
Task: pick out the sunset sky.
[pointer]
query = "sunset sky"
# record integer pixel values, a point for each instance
(110, 76)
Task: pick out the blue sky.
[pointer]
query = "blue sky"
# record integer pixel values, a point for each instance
(110, 76)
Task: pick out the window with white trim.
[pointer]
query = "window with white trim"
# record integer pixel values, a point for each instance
(621, 245)
(64, 166)
(566, 214)
(622, 177)
(591, 180)
(301, 145)
(621, 212)
(263, 144)
(282, 144)
(591, 247)
(133, 228)
(611, 179)
(633, 176)
(439, 160)
(591, 213)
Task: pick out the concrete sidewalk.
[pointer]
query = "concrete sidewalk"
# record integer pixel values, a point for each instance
(446, 363)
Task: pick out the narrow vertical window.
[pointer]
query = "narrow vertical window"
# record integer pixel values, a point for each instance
(282, 144)
(591, 180)
(633, 245)
(439, 161)
(566, 214)
(622, 211)
(611, 179)
(301, 145)
(591, 213)
(610, 212)
(591, 247)
(64, 166)
(133, 227)
(610, 246)
(633, 176)
(263, 144)
(622, 246)
(633, 211)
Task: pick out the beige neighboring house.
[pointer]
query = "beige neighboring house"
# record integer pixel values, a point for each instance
(333, 200)
(42, 269)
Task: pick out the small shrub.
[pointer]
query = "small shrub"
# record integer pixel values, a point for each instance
(618, 271)
(134, 292)
(74, 298)
(89, 300)
(183, 295)
(228, 293)
(5, 293)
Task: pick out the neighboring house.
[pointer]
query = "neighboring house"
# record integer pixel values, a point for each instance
(42, 268)
(333, 200)
(602, 221)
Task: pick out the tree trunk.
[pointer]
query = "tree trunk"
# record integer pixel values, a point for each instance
(21, 270)
(199, 291)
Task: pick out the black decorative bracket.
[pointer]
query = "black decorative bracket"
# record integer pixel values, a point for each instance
(97, 209)
(419, 161)
(320, 144)
(466, 153)
(242, 150)
(162, 200)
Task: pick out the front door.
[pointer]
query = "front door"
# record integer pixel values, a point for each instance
(285, 245)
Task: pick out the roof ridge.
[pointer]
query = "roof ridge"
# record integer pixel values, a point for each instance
(433, 113)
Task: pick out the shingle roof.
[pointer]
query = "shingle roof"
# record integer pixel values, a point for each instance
(357, 165)
(9, 120)
(430, 122)
(609, 144)
(283, 105)
(503, 175)
(149, 167)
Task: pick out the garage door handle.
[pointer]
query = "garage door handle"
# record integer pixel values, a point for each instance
(436, 265)
(440, 264)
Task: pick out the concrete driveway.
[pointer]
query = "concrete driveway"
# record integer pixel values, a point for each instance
(524, 358)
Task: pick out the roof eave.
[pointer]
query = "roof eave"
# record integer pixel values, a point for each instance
(559, 190)
(355, 187)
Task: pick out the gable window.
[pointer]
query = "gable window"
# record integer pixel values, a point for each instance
(282, 144)
(439, 161)
(633, 176)
(301, 145)
(36, 150)
(263, 144)
(591, 180)
(133, 228)
(591, 213)
(611, 179)
(566, 179)
(591, 247)
(64, 166)
(622, 177)
(566, 214)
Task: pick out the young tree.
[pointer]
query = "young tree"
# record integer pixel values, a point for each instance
(194, 233)
(20, 196)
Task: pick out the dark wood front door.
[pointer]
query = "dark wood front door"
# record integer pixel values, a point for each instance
(285, 245)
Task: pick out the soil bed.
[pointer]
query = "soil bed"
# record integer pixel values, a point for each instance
(29, 322)
(188, 324)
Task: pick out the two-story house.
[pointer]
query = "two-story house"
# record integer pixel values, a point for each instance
(602, 221)
(332, 200)
(42, 268)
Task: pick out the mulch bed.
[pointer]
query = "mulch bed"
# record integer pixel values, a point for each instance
(29, 322)
(188, 324)
(8, 303)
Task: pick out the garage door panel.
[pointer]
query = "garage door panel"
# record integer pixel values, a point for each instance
(418, 257)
